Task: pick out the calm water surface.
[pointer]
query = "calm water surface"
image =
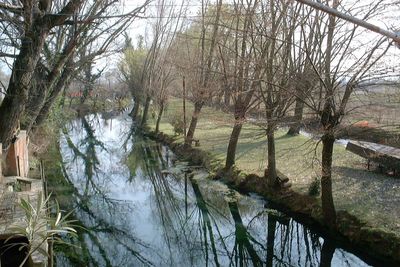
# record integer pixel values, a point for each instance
(142, 207)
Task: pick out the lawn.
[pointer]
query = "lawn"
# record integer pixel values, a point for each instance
(369, 195)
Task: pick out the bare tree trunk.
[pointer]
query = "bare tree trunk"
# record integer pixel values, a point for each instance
(233, 140)
(298, 116)
(227, 99)
(328, 207)
(36, 98)
(218, 99)
(272, 175)
(36, 29)
(193, 123)
(63, 82)
(13, 104)
(160, 112)
(135, 110)
(145, 111)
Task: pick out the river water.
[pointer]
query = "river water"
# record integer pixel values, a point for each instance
(141, 206)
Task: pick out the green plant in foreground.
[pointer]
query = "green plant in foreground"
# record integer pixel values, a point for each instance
(38, 227)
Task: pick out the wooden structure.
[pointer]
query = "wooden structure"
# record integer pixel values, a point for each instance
(383, 155)
(17, 163)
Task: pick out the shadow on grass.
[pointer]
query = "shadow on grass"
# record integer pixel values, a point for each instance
(382, 190)
(247, 147)
(375, 197)
(286, 136)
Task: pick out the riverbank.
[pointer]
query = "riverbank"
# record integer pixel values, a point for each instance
(359, 221)
(134, 193)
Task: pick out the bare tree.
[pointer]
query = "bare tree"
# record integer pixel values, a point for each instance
(207, 56)
(360, 22)
(35, 26)
(85, 22)
(277, 90)
(131, 68)
(339, 74)
(246, 50)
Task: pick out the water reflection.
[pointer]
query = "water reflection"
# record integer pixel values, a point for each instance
(142, 207)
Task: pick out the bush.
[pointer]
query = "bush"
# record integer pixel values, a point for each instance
(177, 122)
(314, 188)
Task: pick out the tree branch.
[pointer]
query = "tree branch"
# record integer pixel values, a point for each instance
(11, 8)
(395, 37)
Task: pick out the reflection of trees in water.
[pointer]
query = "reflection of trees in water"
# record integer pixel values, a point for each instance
(151, 160)
(328, 249)
(244, 252)
(96, 230)
(205, 221)
(86, 151)
(198, 227)
(184, 232)
(93, 205)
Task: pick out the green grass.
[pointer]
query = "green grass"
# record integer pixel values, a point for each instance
(370, 196)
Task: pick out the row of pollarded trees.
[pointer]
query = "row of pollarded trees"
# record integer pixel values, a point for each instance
(47, 44)
(279, 54)
(146, 67)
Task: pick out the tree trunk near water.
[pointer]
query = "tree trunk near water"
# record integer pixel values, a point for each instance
(193, 123)
(135, 110)
(298, 116)
(36, 98)
(13, 105)
(145, 111)
(272, 174)
(233, 140)
(160, 112)
(35, 31)
(328, 207)
(62, 83)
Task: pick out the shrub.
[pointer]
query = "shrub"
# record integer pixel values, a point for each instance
(177, 122)
(314, 188)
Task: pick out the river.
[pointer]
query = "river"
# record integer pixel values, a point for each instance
(141, 206)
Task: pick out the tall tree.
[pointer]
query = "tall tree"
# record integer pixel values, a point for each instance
(207, 56)
(73, 25)
(340, 72)
(277, 84)
(247, 51)
(35, 26)
(131, 68)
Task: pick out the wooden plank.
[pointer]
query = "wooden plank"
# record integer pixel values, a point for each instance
(384, 155)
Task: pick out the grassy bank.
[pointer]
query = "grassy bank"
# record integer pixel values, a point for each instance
(370, 196)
